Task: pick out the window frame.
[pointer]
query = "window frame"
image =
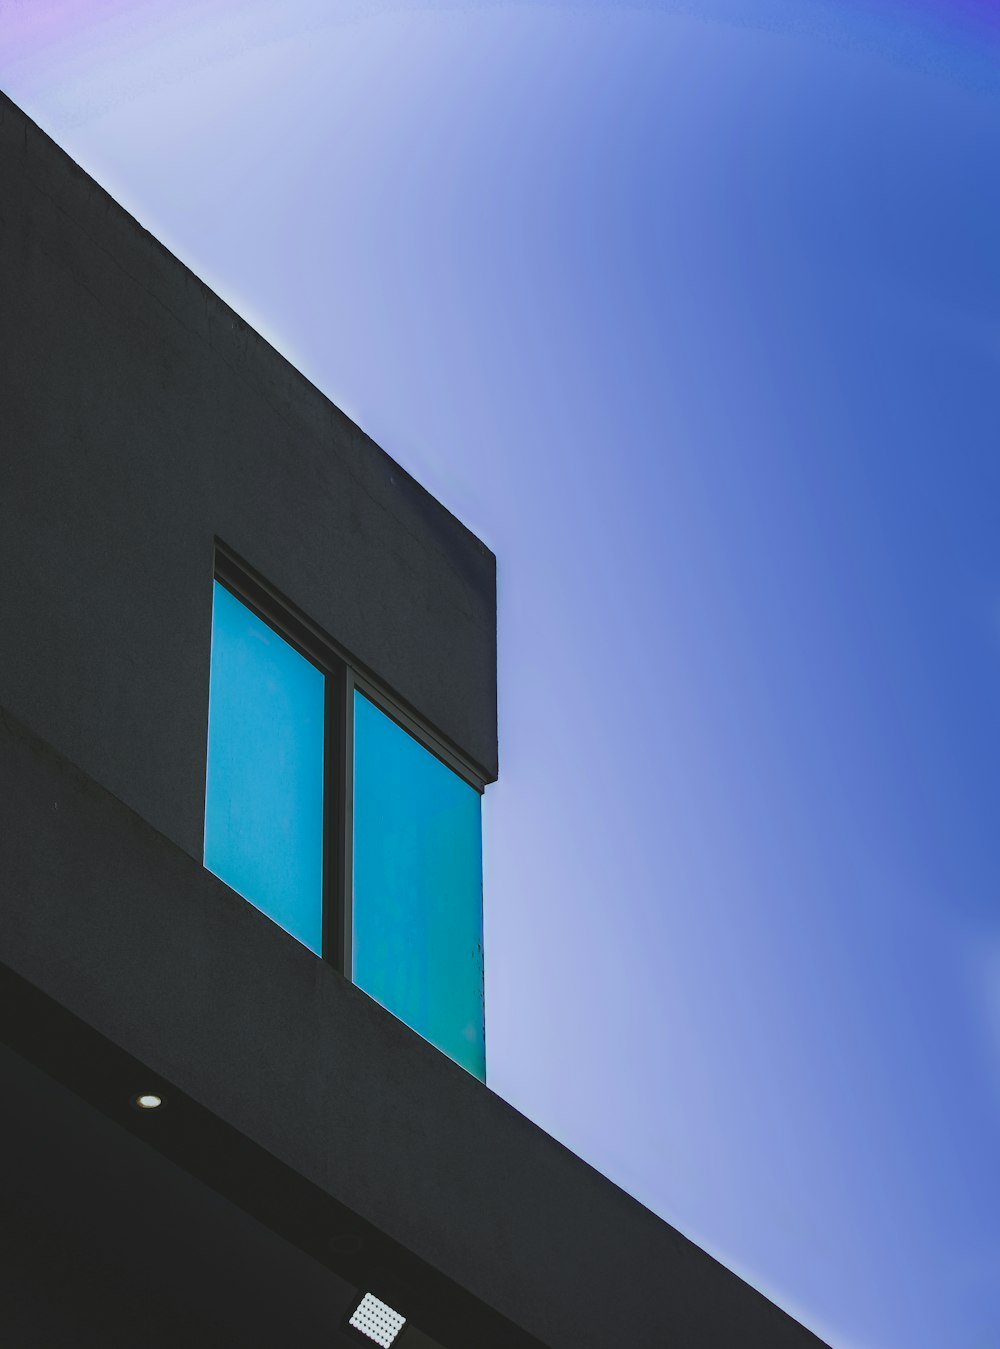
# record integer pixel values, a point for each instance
(342, 676)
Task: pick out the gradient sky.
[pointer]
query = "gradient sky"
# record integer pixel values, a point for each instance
(690, 310)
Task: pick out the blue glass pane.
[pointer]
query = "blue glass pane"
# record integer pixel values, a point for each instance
(264, 797)
(418, 889)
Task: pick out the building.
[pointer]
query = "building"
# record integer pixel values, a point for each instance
(174, 492)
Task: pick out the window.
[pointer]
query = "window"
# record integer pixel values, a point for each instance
(264, 794)
(418, 891)
(333, 811)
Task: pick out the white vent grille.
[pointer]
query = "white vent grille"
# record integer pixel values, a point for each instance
(379, 1322)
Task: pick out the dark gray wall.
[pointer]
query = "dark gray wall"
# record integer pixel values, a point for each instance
(139, 419)
(142, 944)
(104, 1243)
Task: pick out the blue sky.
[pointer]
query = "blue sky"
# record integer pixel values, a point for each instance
(690, 310)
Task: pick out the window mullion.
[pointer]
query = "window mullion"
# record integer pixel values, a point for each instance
(342, 824)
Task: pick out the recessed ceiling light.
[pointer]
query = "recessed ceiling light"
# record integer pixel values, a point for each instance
(376, 1321)
(148, 1100)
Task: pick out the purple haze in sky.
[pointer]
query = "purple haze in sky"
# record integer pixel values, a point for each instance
(691, 311)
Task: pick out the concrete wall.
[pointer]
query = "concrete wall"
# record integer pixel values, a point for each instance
(454, 1189)
(141, 420)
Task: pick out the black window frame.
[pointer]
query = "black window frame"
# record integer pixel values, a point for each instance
(343, 675)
